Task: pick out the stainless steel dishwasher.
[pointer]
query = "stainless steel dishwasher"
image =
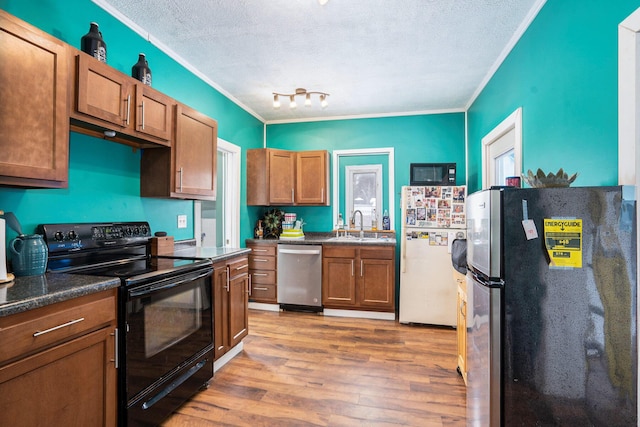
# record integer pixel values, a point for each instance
(300, 277)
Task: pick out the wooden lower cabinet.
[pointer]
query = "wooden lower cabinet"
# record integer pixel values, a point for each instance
(263, 270)
(461, 283)
(358, 277)
(231, 303)
(64, 375)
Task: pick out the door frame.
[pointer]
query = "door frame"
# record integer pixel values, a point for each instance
(629, 119)
(513, 121)
(232, 198)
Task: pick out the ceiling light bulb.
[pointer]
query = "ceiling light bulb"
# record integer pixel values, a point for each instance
(323, 101)
(307, 101)
(292, 104)
(276, 102)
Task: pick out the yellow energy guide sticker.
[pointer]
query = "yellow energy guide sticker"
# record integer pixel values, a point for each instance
(563, 238)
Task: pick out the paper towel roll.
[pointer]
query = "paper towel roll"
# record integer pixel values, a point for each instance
(3, 250)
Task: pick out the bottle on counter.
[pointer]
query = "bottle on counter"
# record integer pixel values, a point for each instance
(352, 221)
(141, 70)
(386, 222)
(340, 221)
(93, 43)
(374, 220)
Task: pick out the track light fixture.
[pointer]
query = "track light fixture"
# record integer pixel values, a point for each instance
(302, 92)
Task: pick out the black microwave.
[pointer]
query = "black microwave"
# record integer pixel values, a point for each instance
(432, 174)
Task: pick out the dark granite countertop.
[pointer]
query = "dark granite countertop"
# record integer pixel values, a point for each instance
(29, 292)
(315, 238)
(214, 254)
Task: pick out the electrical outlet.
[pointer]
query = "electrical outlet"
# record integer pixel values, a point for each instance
(182, 221)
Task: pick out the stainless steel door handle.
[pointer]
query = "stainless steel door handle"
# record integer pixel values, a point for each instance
(55, 328)
(300, 251)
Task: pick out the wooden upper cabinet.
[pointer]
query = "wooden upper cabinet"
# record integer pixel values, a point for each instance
(34, 121)
(153, 112)
(102, 92)
(188, 169)
(312, 178)
(280, 177)
(106, 99)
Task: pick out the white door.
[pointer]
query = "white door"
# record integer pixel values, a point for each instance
(502, 151)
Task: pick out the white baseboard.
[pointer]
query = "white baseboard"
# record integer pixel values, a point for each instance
(228, 356)
(263, 306)
(359, 314)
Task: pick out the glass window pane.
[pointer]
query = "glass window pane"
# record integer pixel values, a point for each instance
(504, 167)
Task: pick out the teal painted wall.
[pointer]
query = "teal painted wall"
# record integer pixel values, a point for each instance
(423, 138)
(104, 177)
(563, 73)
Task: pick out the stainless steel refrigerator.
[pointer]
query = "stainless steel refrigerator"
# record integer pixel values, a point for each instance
(433, 217)
(552, 307)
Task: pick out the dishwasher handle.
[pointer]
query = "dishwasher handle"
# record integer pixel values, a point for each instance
(299, 251)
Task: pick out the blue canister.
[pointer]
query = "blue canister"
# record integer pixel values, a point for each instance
(28, 255)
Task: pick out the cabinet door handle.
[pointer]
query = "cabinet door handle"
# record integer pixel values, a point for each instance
(142, 108)
(180, 186)
(352, 271)
(128, 109)
(228, 286)
(55, 328)
(322, 195)
(249, 285)
(115, 359)
(361, 268)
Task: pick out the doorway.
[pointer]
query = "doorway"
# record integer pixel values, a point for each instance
(217, 223)
(502, 151)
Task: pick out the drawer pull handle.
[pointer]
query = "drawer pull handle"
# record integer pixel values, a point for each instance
(55, 328)
(260, 260)
(260, 274)
(242, 267)
(260, 289)
(259, 250)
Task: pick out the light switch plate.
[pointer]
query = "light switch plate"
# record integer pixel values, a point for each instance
(182, 221)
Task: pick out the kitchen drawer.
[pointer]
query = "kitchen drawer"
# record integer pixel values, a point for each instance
(339, 251)
(263, 250)
(238, 267)
(260, 262)
(264, 277)
(28, 332)
(263, 292)
(386, 252)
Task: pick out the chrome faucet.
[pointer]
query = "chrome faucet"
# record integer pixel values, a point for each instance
(353, 220)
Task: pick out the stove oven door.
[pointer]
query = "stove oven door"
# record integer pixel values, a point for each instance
(168, 345)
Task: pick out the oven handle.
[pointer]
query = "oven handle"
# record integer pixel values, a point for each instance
(166, 284)
(182, 378)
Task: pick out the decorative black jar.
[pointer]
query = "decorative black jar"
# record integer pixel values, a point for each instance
(93, 44)
(141, 70)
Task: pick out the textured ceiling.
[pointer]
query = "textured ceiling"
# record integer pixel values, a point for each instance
(373, 57)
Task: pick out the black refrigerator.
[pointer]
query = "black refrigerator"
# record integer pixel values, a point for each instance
(552, 300)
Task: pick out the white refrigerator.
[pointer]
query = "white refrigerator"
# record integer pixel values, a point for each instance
(432, 218)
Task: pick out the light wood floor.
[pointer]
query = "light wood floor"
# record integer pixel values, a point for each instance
(301, 369)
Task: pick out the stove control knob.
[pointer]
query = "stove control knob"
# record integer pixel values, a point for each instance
(144, 230)
(72, 235)
(58, 236)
